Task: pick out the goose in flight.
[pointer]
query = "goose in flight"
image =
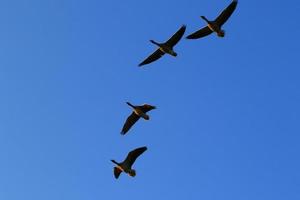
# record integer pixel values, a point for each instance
(216, 25)
(126, 165)
(137, 113)
(166, 47)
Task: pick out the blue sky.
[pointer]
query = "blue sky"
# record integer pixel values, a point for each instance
(227, 123)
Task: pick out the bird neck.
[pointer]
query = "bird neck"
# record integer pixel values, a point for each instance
(130, 105)
(156, 43)
(115, 162)
(205, 19)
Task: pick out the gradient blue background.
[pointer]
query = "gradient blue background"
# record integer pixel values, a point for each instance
(227, 123)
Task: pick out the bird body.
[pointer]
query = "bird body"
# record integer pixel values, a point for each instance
(137, 113)
(165, 48)
(122, 167)
(217, 29)
(126, 165)
(215, 25)
(140, 113)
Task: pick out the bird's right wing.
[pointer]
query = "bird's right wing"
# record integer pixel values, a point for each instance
(146, 108)
(200, 33)
(176, 37)
(129, 123)
(226, 13)
(117, 172)
(153, 57)
(132, 155)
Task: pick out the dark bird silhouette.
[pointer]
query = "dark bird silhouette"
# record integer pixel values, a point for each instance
(216, 25)
(138, 112)
(126, 165)
(166, 47)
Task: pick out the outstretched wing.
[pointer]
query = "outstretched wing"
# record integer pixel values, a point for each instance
(153, 57)
(226, 13)
(132, 156)
(117, 172)
(130, 121)
(146, 107)
(200, 33)
(176, 37)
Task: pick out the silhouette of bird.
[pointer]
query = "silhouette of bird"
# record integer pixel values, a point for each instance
(138, 112)
(126, 165)
(216, 25)
(165, 48)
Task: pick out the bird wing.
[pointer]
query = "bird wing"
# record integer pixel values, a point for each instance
(176, 37)
(129, 122)
(226, 13)
(117, 172)
(146, 108)
(132, 156)
(200, 33)
(153, 57)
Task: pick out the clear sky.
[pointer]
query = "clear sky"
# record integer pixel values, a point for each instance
(227, 124)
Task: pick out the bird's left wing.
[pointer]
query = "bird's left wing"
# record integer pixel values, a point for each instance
(130, 121)
(153, 57)
(200, 33)
(117, 172)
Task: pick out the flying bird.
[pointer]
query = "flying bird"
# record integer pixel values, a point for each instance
(137, 113)
(166, 47)
(216, 25)
(126, 165)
